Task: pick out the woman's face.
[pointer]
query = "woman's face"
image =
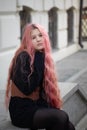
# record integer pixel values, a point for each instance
(37, 39)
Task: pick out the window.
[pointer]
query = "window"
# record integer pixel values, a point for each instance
(70, 21)
(53, 27)
(25, 17)
(84, 24)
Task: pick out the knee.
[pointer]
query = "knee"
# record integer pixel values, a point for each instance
(71, 126)
(63, 117)
(64, 121)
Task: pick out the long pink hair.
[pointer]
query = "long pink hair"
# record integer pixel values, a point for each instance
(50, 82)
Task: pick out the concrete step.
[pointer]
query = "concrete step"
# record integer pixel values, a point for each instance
(6, 125)
(82, 125)
(77, 75)
(75, 103)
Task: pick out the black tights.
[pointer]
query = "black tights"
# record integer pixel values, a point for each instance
(52, 119)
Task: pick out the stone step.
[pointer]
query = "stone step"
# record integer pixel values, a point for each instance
(77, 75)
(67, 89)
(76, 104)
(82, 125)
(6, 125)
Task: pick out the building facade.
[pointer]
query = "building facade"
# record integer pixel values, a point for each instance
(60, 19)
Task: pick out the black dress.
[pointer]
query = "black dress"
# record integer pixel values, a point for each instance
(22, 110)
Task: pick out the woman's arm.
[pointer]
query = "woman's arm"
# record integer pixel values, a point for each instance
(27, 84)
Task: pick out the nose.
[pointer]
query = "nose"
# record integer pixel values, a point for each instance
(38, 38)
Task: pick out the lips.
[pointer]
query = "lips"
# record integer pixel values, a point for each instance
(40, 44)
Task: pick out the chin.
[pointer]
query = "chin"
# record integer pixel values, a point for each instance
(40, 49)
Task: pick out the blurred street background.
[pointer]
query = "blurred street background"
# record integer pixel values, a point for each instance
(66, 23)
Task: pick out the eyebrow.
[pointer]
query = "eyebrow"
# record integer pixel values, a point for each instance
(37, 34)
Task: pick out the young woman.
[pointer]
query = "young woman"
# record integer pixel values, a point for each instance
(32, 93)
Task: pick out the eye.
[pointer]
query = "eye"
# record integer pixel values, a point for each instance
(33, 37)
(40, 35)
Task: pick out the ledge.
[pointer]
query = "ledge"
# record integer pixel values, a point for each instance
(67, 89)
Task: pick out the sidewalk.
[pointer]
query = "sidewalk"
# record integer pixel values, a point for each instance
(70, 69)
(73, 69)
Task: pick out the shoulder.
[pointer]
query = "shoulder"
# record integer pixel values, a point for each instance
(23, 54)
